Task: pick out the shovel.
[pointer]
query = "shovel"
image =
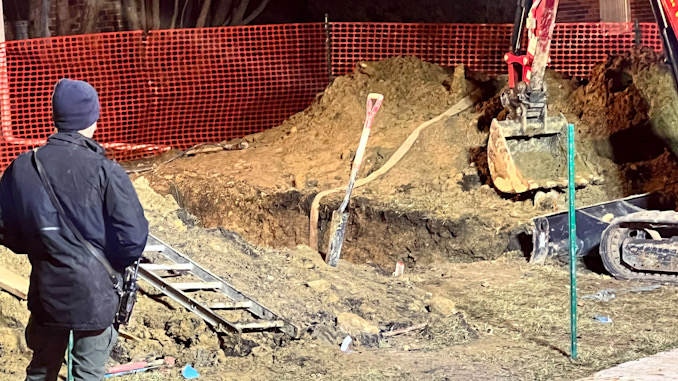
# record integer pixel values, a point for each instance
(339, 216)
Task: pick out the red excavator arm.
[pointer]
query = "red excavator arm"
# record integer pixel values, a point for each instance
(529, 135)
(538, 18)
(526, 68)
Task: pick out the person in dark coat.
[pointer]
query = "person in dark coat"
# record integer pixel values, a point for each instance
(70, 290)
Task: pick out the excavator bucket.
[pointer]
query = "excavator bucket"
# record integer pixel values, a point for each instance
(524, 156)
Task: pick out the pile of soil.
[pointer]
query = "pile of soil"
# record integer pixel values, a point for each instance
(436, 204)
(628, 116)
(298, 285)
(484, 320)
(426, 208)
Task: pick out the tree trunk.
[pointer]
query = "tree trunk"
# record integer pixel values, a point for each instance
(149, 14)
(131, 14)
(142, 15)
(221, 13)
(175, 14)
(156, 14)
(239, 13)
(186, 14)
(38, 18)
(255, 12)
(63, 21)
(203, 14)
(90, 15)
(33, 18)
(44, 18)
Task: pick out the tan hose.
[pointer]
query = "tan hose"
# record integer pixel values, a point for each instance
(462, 105)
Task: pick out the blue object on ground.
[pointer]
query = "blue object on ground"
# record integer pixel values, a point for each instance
(603, 319)
(189, 372)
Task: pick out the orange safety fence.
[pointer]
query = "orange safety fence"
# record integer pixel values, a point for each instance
(576, 48)
(176, 88)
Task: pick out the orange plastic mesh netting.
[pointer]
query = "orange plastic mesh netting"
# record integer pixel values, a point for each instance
(176, 88)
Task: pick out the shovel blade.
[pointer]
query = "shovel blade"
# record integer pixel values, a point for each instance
(337, 230)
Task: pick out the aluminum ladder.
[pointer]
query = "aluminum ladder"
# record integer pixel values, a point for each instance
(175, 264)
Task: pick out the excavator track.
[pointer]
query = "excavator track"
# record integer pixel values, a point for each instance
(642, 246)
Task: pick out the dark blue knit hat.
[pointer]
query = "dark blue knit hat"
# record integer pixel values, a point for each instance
(75, 105)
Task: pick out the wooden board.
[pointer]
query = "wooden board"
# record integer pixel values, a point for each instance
(13, 283)
(660, 367)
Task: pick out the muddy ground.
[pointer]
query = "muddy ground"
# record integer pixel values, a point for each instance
(498, 319)
(488, 314)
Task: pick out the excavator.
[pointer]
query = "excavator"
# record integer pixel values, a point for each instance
(636, 237)
(527, 151)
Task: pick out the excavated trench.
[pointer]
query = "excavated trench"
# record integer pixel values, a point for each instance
(375, 233)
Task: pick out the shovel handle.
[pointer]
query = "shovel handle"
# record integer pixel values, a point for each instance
(374, 101)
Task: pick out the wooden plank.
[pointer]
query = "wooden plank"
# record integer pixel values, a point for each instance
(660, 367)
(13, 283)
(128, 336)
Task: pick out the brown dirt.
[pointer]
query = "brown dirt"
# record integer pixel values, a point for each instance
(424, 209)
(435, 207)
(511, 320)
(436, 203)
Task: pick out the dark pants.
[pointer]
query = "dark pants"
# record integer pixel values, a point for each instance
(90, 352)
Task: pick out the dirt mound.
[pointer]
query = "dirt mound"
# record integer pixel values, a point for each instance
(294, 283)
(264, 192)
(611, 101)
(437, 203)
(628, 112)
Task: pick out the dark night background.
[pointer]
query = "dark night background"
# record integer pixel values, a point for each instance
(429, 11)
(300, 11)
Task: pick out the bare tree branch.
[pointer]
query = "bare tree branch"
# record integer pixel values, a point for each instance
(255, 12)
(175, 14)
(203, 14)
(221, 13)
(227, 22)
(156, 14)
(142, 15)
(149, 14)
(240, 12)
(183, 12)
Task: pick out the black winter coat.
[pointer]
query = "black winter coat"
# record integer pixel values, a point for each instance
(69, 288)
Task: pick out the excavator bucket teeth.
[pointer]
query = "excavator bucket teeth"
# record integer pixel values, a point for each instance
(525, 157)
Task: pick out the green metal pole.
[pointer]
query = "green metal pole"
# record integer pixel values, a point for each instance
(70, 356)
(573, 241)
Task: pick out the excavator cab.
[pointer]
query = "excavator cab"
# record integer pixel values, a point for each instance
(528, 151)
